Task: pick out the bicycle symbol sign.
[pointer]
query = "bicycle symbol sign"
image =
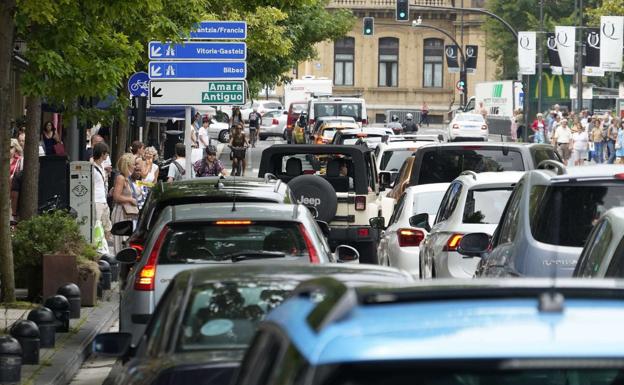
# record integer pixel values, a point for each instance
(138, 84)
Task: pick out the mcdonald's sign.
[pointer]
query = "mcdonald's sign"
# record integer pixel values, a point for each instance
(554, 87)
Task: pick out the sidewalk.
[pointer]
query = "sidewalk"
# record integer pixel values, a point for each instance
(58, 366)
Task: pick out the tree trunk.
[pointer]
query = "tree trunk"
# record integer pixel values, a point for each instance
(7, 31)
(29, 193)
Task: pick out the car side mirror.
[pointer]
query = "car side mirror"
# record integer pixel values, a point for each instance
(123, 228)
(377, 222)
(420, 221)
(128, 255)
(474, 245)
(324, 228)
(347, 254)
(440, 138)
(385, 179)
(285, 112)
(112, 344)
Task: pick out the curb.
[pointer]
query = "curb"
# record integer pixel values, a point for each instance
(59, 366)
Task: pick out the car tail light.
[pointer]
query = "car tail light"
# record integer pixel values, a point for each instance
(233, 222)
(314, 258)
(619, 176)
(146, 277)
(360, 202)
(455, 126)
(364, 122)
(410, 237)
(453, 242)
(484, 127)
(275, 122)
(363, 232)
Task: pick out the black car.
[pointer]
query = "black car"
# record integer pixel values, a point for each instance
(207, 318)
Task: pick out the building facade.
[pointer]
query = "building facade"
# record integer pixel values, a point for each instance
(401, 66)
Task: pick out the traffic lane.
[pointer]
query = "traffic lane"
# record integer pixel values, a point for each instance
(252, 157)
(95, 370)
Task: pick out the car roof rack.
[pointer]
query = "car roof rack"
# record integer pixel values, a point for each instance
(471, 173)
(552, 165)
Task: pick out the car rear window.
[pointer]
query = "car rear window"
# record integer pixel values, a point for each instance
(428, 202)
(443, 165)
(297, 108)
(214, 242)
(485, 205)
(469, 118)
(275, 106)
(565, 214)
(393, 160)
(338, 109)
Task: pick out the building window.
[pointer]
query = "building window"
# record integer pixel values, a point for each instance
(433, 62)
(388, 62)
(344, 51)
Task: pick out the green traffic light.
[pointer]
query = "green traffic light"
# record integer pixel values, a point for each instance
(368, 31)
(402, 15)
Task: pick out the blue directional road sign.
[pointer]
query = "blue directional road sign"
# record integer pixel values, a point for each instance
(197, 70)
(220, 30)
(195, 50)
(139, 84)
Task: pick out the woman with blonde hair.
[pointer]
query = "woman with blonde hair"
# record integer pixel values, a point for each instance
(150, 170)
(125, 207)
(17, 160)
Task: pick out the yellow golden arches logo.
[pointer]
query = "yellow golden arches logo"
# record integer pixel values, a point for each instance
(550, 85)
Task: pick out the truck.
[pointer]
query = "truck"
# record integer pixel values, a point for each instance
(500, 99)
(302, 90)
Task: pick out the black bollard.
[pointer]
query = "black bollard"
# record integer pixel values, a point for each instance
(10, 360)
(45, 320)
(105, 278)
(114, 266)
(71, 291)
(27, 334)
(60, 307)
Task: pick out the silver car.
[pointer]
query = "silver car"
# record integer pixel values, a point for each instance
(196, 235)
(273, 124)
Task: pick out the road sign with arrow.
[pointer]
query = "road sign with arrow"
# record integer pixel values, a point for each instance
(196, 50)
(177, 93)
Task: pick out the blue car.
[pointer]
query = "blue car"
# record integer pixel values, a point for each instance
(519, 332)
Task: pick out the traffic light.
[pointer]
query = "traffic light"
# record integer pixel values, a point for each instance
(402, 10)
(369, 26)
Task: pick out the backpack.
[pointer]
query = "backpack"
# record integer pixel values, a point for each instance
(181, 171)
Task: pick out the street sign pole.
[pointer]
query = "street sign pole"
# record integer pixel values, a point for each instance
(187, 143)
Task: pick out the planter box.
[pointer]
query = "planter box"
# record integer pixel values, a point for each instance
(57, 271)
(87, 282)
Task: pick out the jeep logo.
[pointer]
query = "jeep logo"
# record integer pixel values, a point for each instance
(310, 201)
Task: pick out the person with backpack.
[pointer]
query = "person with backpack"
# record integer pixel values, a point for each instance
(254, 126)
(177, 168)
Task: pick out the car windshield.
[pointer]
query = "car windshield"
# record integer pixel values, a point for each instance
(224, 315)
(427, 202)
(401, 374)
(393, 160)
(443, 165)
(272, 106)
(564, 215)
(469, 118)
(485, 205)
(353, 110)
(211, 242)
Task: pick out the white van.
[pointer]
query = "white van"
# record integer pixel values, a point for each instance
(337, 106)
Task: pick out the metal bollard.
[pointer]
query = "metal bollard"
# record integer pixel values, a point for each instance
(27, 334)
(105, 279)
(71, 291)
(60, 307)
(114, 266)
(45, 320)
(10, 360)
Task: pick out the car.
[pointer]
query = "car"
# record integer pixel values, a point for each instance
(547, 221)
(414, 138)
(273, 124)
(399, 242)
(331, 120)
(294, 110)
(203, 190)
(219, 131)
(371, 136)
(603, 253)
(468, 127)
(339, 183)
(207, 317)
(200, 234)
(473, 203)
(328, 129)
(539, 332)
(262, 106)
(354, 107)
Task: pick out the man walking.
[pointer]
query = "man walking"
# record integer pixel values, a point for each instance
(100, 188)
(254, 126)
(409, 125)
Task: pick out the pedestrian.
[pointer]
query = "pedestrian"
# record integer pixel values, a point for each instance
(21, 139)
(203, 138)
(619, 143)
(137, 148)
(209, 165)
(424, 114)
(100, 188)
(238, 145)
(598, 136)
(150, 170)
(16, 163)
(611, 138)
(177, 168)
(194, 130)
(580, 142)
(395, 125)
(538, 128)
(49, 139)
(409, 125)
(254, 126)
(561, 141)
(125, 205)
(136, 182)
(237, 117)
(520, 124)
(483, 111)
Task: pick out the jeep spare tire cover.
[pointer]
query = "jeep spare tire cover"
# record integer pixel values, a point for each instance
(315, 191)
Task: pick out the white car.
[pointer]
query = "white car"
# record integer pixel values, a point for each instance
(473, 203)
(273, 124)
(262, 106)
(372, 136)
(219, 131)
(399, 244)
(468, 127)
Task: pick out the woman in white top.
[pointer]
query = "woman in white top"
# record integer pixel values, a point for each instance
(150, 172)
(580, 142)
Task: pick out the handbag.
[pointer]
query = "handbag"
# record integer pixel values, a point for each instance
(59, 149)
(130, 209)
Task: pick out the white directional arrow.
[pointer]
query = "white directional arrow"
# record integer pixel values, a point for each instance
(170, 71)
(170, 51)
(155, 71)
(156, 51)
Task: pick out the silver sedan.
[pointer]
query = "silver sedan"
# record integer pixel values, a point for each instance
(273, 124)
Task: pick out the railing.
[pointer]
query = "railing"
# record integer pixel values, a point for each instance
(383, 4)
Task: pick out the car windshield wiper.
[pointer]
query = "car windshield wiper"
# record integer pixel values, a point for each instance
(252, 254)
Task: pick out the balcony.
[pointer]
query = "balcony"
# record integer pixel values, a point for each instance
(383, 4)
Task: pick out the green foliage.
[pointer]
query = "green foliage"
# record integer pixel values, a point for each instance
(607, 8)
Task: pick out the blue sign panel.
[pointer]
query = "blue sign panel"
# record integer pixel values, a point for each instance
(220, 30)
(195, 50)
(138, 84)
(196, 70)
